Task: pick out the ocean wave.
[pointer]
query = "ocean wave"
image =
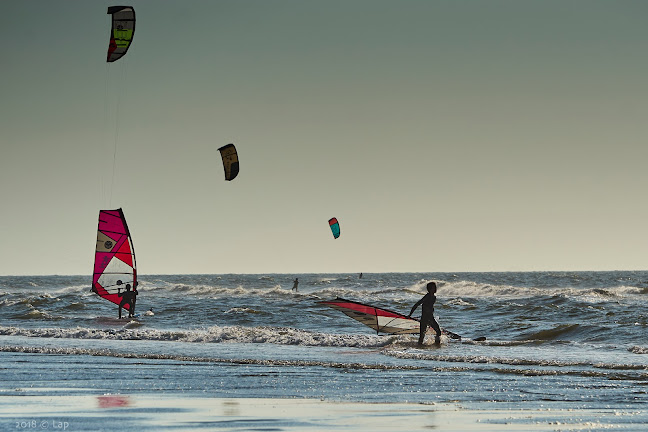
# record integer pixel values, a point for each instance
(638, 350)
(554, 333)
(402, 347)
(35, 314)
(215, 334)
(243, 310)
(527, 370)
(331, 287)
(475, 290)
(554, 367)
(464, 290)
(460, 302)
(238, 291)
(324, 280)
(152, 356)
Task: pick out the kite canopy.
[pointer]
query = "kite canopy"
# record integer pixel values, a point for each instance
(335, 227)
(122, 31)
(230, 161)
(114, 264)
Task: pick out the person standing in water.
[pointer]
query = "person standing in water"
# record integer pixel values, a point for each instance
(427, 314)
(295, 283)
(128, 298)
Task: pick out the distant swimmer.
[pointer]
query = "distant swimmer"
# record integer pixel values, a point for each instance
(427, 314)
(295, 283)
(149, 312)
(128, 298)
(360, 276)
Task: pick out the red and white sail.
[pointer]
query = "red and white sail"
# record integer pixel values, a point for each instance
(114, 264)
(379, 319)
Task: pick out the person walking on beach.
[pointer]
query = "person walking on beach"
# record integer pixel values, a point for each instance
(128, 298)
(427, 314)
(295, 283)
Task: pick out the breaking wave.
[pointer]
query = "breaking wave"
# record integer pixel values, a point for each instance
(152, 356)
(235, 334)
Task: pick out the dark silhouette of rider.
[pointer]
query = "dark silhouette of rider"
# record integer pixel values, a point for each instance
(128, 298)
(427, 314)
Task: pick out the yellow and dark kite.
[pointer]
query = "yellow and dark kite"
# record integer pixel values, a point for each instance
(122, 31)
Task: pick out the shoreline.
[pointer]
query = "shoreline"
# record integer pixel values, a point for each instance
(182, 412)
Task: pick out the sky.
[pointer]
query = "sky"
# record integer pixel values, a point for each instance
(445, 136)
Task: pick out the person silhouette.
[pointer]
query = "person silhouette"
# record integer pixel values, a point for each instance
(427, 314)
(128, 298)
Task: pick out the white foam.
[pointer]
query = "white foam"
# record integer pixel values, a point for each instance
(638, 350)
(240, 310)
(152, 356)
(215, 334)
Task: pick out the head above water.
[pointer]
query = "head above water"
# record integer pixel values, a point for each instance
(431, 287)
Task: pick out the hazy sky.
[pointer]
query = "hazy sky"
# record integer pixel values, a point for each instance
(443, 135)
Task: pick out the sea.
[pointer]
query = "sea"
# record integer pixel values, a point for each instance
(554, 341)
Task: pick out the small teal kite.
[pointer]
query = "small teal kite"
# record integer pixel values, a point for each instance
(335, 227)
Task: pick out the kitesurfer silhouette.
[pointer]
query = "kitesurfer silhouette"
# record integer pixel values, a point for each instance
(427, 314)
(295, 283)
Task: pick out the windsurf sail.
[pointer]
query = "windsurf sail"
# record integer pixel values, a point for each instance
(379, 319)
(121, 32)
(230, 161)
(114, 264)
(335, 227)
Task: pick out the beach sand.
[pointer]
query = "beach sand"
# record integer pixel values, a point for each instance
(175, 413)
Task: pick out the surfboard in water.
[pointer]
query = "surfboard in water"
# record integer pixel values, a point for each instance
(379, 319)
(114, 264)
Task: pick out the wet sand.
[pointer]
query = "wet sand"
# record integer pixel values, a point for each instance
(174, 413)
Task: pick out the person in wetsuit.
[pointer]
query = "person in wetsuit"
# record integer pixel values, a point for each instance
(128, 298)
(427, 314)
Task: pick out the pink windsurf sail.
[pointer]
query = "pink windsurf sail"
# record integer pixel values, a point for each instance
(379, 319)
(114, 264)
